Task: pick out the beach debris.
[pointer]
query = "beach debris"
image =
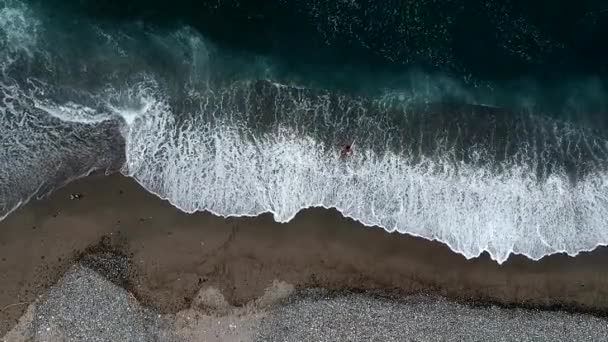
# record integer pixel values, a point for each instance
(75, 196)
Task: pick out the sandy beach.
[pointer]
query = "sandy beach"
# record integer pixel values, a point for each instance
(168, 256)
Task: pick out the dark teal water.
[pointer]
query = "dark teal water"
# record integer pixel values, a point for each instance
(510, 53)
(489, 39)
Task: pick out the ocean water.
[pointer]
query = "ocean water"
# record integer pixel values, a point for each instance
(481, 124)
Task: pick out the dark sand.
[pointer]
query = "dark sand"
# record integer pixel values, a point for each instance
(172, 255)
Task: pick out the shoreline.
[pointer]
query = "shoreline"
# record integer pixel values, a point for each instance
(483, 253)
(173, 254)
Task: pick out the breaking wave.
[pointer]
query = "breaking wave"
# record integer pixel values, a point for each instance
(264, 147)
(210, 129)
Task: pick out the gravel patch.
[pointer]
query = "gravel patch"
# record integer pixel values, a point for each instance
(319, 316)
(85, 306)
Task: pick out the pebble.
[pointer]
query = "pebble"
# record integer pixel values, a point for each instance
(85, 306)
(317, 316)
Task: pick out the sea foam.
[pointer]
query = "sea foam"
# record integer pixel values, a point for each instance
(228, 169)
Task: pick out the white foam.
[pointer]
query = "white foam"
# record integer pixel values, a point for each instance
(203, 167)
(130, 114)
(18, 29)
(132, 102)
(72, 112)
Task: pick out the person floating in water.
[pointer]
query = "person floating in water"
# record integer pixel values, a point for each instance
(347, 150)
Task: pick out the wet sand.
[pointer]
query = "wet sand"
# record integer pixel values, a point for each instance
(172, 255)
